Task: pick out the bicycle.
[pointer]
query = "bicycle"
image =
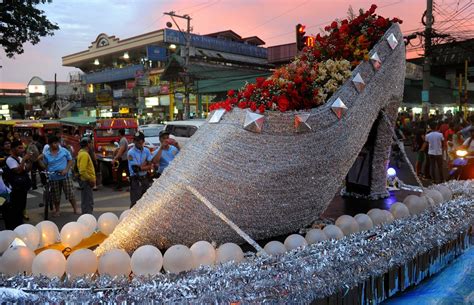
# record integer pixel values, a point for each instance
(47, 197)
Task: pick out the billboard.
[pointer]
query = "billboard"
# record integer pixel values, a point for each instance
(211, 43)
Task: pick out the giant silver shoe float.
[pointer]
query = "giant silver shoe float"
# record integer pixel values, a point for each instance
(276, 181)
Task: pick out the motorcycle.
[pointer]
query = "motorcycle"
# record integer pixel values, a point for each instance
(462, 167)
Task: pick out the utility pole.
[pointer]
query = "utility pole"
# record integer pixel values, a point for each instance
(465, 88)
(187, 38)
(425, 94)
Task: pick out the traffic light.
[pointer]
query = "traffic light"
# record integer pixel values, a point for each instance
(300, 38)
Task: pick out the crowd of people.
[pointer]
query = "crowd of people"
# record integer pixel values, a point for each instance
(435, 141)
(23, 157)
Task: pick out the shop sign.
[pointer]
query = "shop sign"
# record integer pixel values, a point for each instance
(154, 90)
(130, 84)
(124, 110)
(103, 96)
(156, 53)
(212, 43)
(118, 93)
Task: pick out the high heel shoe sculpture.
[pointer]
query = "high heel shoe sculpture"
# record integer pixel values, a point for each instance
(276, 172)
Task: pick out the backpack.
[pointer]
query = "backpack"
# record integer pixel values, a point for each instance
(14, 180)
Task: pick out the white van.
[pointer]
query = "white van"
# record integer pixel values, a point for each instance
(181, 131)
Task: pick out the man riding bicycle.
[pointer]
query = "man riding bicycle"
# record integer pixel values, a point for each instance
(59, 161)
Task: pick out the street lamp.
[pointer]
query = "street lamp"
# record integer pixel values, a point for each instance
(187, 38)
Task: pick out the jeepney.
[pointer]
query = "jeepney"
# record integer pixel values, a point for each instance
(75, 128)
(104, 134)
(42, 128)
(6, 126)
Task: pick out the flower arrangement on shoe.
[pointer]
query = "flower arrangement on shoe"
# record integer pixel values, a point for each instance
(318, 72)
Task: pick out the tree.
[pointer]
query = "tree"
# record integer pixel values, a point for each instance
(20, 109)
(22, 22)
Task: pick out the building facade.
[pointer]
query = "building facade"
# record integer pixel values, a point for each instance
(146, 75)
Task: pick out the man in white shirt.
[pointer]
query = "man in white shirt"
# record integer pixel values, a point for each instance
(435, 142)
(19, 182)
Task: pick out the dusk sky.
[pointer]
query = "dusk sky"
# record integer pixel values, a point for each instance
(273, 21)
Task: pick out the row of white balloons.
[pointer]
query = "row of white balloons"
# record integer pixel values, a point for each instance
(346, 225)
(149, 260)
(146, 260)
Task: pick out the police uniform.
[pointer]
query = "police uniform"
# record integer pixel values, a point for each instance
(139, 181)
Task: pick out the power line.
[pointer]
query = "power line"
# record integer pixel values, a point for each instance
(278, 16)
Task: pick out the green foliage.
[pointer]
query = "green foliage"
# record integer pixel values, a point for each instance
(22, 22)
(20, 109)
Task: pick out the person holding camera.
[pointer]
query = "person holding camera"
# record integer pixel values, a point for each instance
(121, 158)
(85, 167)
(139, 163)
(169, 148)
(17, 177)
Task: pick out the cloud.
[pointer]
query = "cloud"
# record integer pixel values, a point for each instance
(274, 21)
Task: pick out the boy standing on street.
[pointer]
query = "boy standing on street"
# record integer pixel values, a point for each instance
(86, 170)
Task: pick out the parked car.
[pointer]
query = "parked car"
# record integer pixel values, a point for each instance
(183, 130)
(152, 133)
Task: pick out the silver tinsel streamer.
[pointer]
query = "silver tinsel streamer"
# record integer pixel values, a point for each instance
(300, 276)
(269, 183)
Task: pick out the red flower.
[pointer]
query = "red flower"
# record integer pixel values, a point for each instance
(334, 25)
(261, 108)
(253, 106)
(230, 93)
(283, 103)
(372, 9)
(381, 22)
(242, 105)
(260, 81)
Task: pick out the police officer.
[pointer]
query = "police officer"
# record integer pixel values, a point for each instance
(139, 163)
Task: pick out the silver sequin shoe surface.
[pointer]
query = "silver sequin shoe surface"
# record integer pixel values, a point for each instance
(274, 182)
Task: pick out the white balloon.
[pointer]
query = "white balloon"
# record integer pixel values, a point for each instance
(49, 233)
(315, 236)
(178, 258)
(124, 214)
(29, 234)
(445, 191)
(274, 248)
(333, 232)
(295, 241)
(146, 260)
(90, 222)
(6, 238)
(107, 223)
(203, 254)
(428, 200)
(347, 224)
(415, 204)
(364, 221)
(229, 252)
(17, 260)
(115, 262)
(72, 234)
(377, 216)
(50, 263)
(435, 195)
(81, 262)
(388, 216)
(399, 210)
